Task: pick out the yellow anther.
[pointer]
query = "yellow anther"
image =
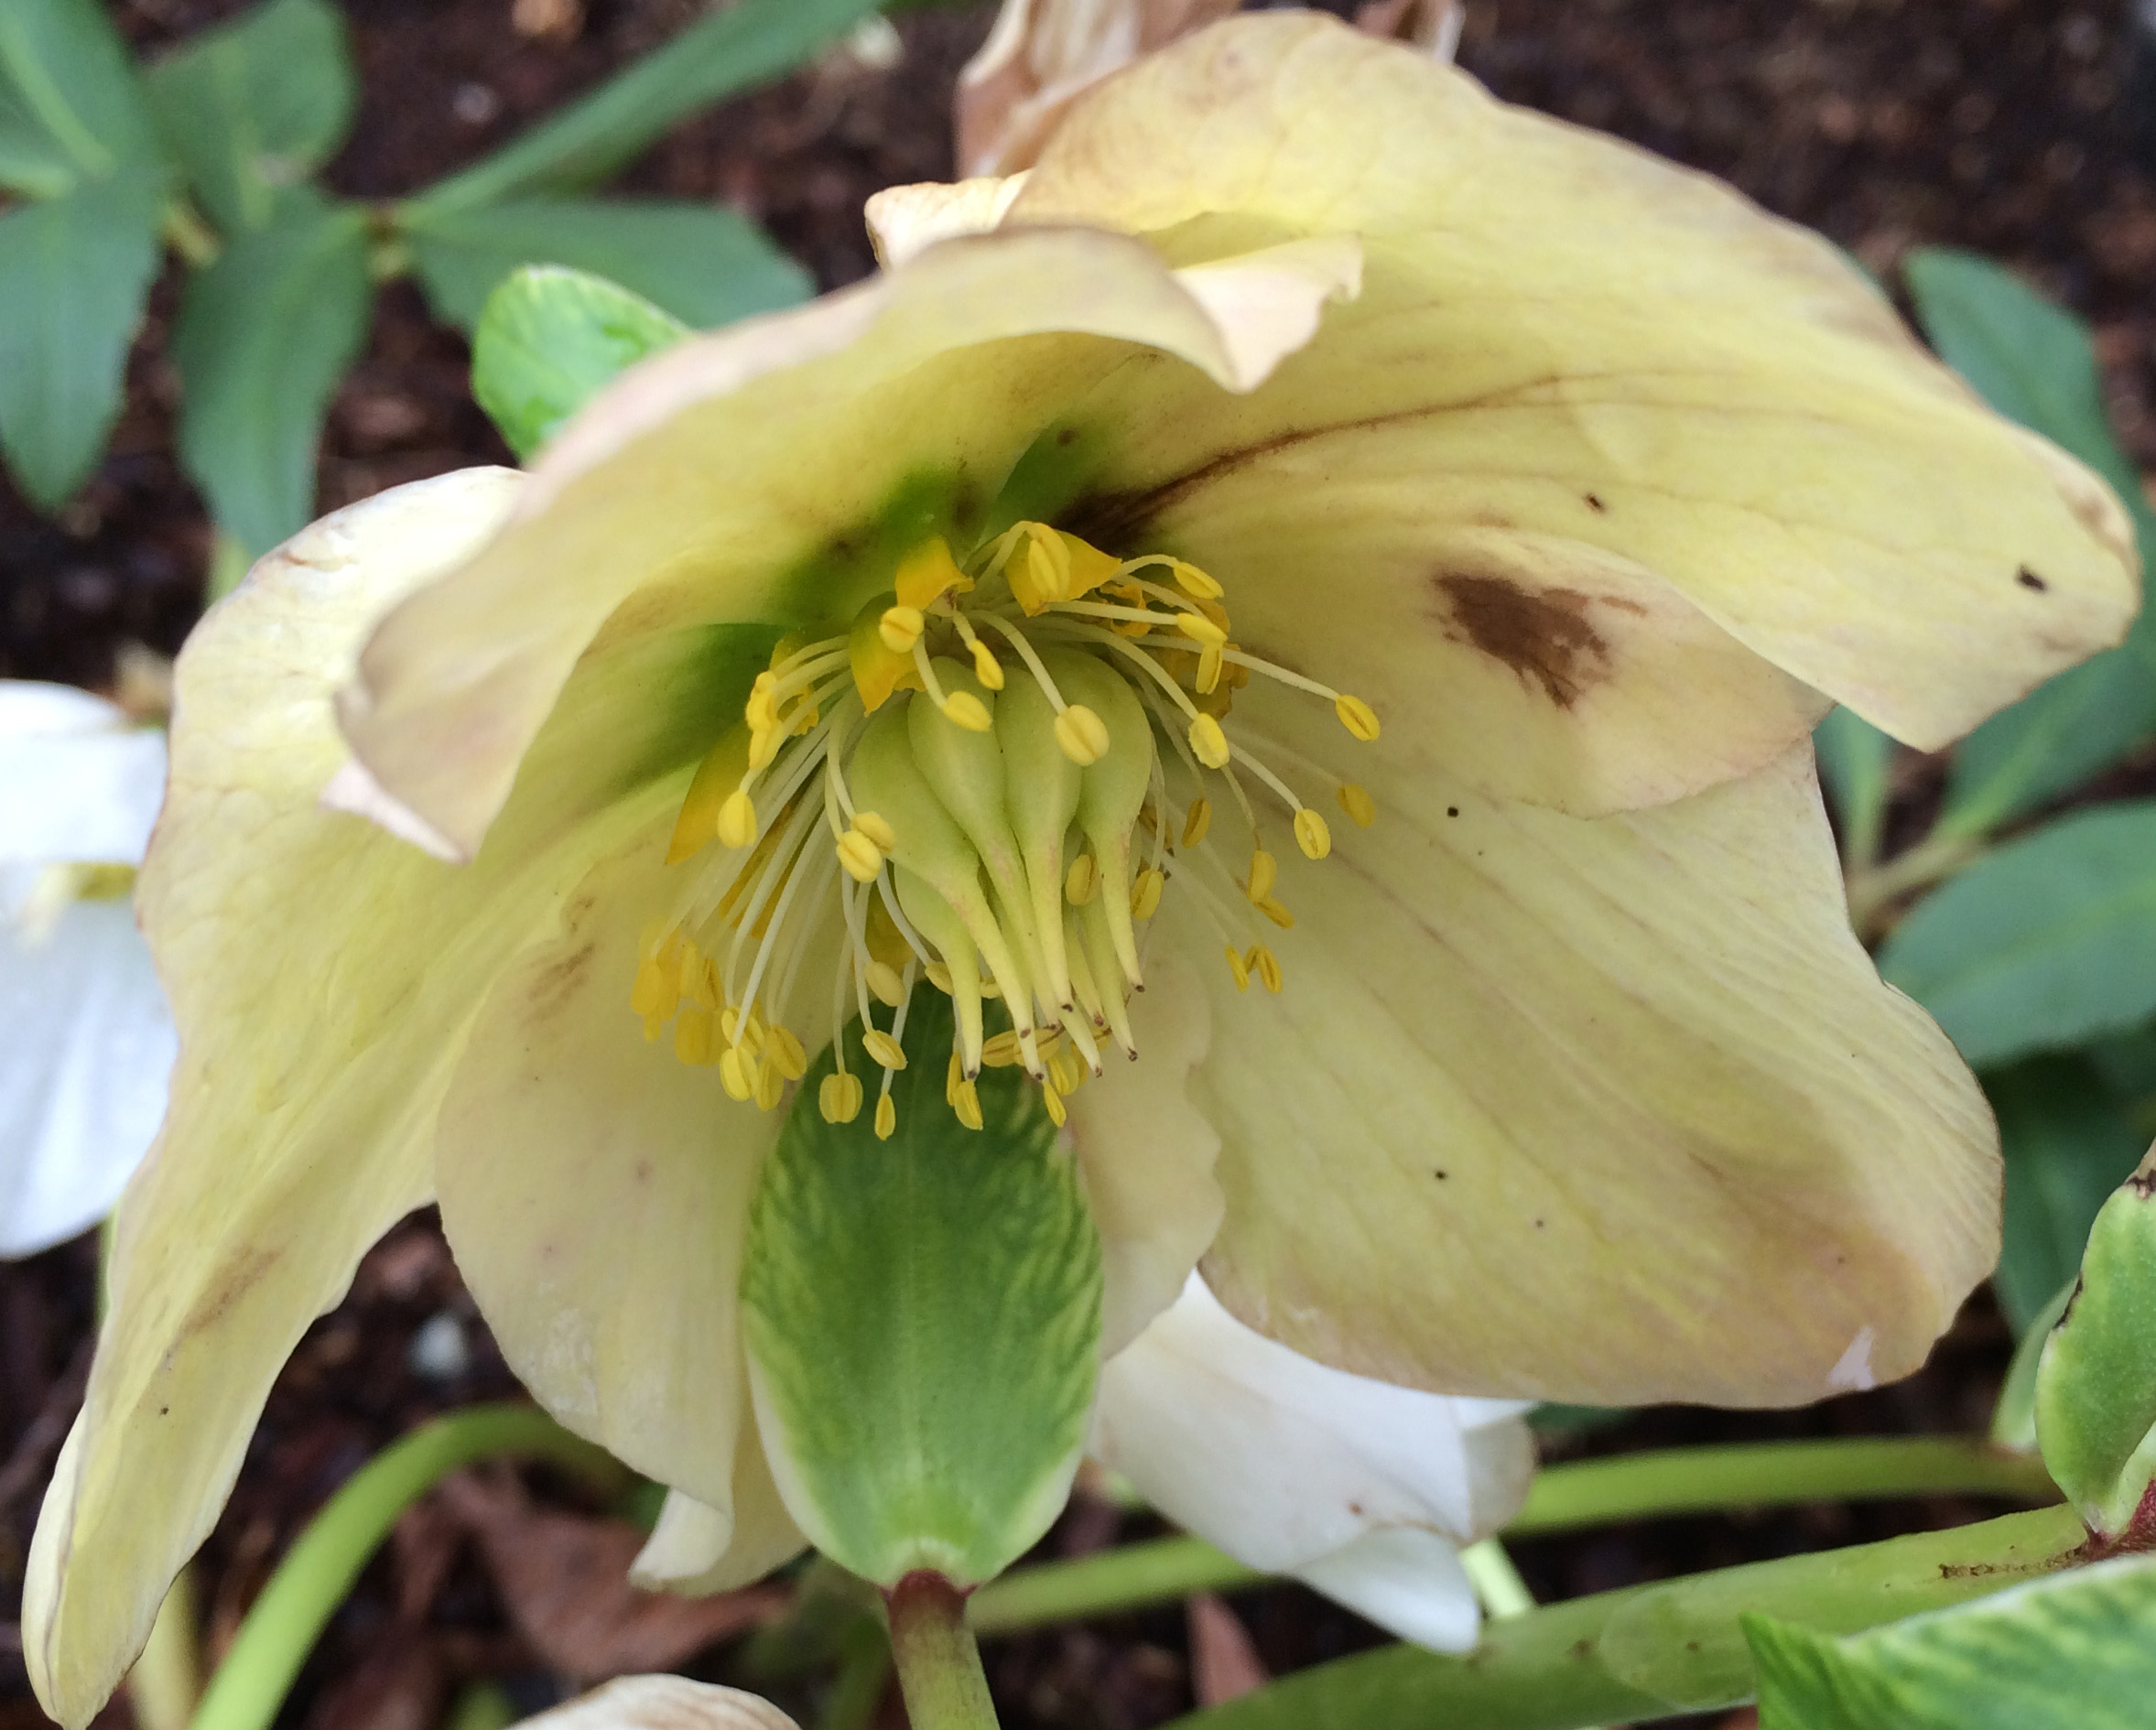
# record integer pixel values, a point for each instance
(883, 1048)
(653, 992)
(1209, 742)
(938, 975)
(962, 709)
(1312, 835)
(699, 981)
(954, 1073)
(1239, 968)
(999, 1051)
(1263, 964)
(1209, 663)
(692, 1037)
(1067, 1070)
(986, 667)
(876, 829)
(764, 742)
(745, 1031)
(1080, 880)
(966, 1103)
(1197, 821)
(839, 1099)
(1356, 802)
(900, 628)
(1194, 581)
(770, 1086)
(784, 1054)
(1265, 871)
(1054, 1102)
(889, 987)
(762, 708)
(861, 856)
(886, 1118)
(1357, 716)
(1083, 735)
(1145, 893)
(1280, 915)
(737, 1073)
(654, 1026)
(737, 820)
(1201, 630)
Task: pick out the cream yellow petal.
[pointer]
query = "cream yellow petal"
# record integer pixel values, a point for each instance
(595, 1189)
(727, 478)
(1561, 336)
(322, 976)
(1146, 1154)
(697, 1550)
(1624, 1094)
(664, 1702)
(906, 220)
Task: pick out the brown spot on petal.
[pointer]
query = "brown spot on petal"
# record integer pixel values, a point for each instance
(553, 988)
(1543, 635)
(2029, 580)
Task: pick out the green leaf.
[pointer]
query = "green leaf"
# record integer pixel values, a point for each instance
(2013, 1419)
(2069, 1654)
(704, 266)
(73, 273)
(71, 106)
(263, 335)
(2067, 1146)
(1854, 758)
(549, 339)
(2047, 942)
(722, 53)
(2033, 362)
(255, 106)
(922, 1319)
(2095, 1386)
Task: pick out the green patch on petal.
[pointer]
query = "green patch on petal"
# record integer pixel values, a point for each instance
(1052, 475)
(2069, 1654)
(699, 691)
(2095, 1386)
(548, 340)
(832, 582)
(923, 1317)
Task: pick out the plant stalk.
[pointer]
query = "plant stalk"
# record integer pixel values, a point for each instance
(938, 1663)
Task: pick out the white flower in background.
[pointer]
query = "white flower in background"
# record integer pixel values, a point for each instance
(86, 1041)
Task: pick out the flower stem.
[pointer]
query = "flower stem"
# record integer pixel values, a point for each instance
(939, 1665)
(1872, 891)
(311, 1582)
(1564, 1499)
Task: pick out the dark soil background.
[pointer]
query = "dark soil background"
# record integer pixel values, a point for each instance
(2016, 127)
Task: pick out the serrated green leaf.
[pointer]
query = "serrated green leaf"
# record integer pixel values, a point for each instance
(2035, 362)
(2067, 1146)
(71, 109)
(704, 266)
(722, 53)
(2095, 1386)
(2073, 1652)
(1854, 758)
(922, 1319)
(263, 335)
(73, 273)
(254, 107)
(549, 339)
(2045, 943)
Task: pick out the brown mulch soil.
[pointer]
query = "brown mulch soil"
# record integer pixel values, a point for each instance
(1998, 124)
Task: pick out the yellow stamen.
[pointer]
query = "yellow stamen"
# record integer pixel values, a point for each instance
(1209, 741)
(986, 667)
(692, 1037)
(1080, 880)
(1145, 892)
(1268, 970)
(1264, 870)
(837, 1096)
(770, 1086)
(1356, 802)
(1357, 716)
(966, 1103)
(884, 981)
(954, 1073)
(876, 829)
(1084, 735)
(737, 820)
(1201, 630)
(860, 855)
(1239, 968)
(1054, 1102)
(884, 1048)
(900, 628)
(787, 1054)
(1197, 821)
(1311, 834)
(963, 709)
(1273, 911)
(999, 1051)
(737, 1073)
(886, 1118)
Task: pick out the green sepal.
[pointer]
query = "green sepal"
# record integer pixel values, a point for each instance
(549, 340)
(922, 1318)
(2067, 1653)
(2096, 1386)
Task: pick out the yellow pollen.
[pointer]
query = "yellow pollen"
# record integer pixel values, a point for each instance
(1145, 893)
(999, 1051)
(884, 1048)
(1268, 970)
(1067, 1070)
(954, 1073)
(860, 855)
(737, 1073)
(900, 628)
(1194, 581)
(886, 1118)
(963, 709)
(1264, 870)
(876, 829)
(737, 820)
(1084, 736)
(966, 1102)
(1197, 821)
(986, 667)
(884, 981)
(1356, 802)
(839, 1099)
(786, 1053)
(1209, 741)
(1201, 630)
(770, 1086)
(1357, 716)
(1080, 880)
(1280, 915)
(1210, 661)
(1054, 1102)
(1239, 968)
(1311, 834)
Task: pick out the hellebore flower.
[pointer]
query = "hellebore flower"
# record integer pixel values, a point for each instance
(1308, 433)
(85, 1039)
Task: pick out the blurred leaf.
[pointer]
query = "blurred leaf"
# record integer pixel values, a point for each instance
(2095, 1386)
(256, 105)
(2127, 1062)
(2044, 943)
(1854, 758)
(2071, 1653)
(549, 339)
(73, 272)
(2067, 1146)
(2033, 362)
(263, 335)
(705, 266)
(70, 105)
(724, 52)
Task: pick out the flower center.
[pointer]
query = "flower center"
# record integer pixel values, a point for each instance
(988, 782)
